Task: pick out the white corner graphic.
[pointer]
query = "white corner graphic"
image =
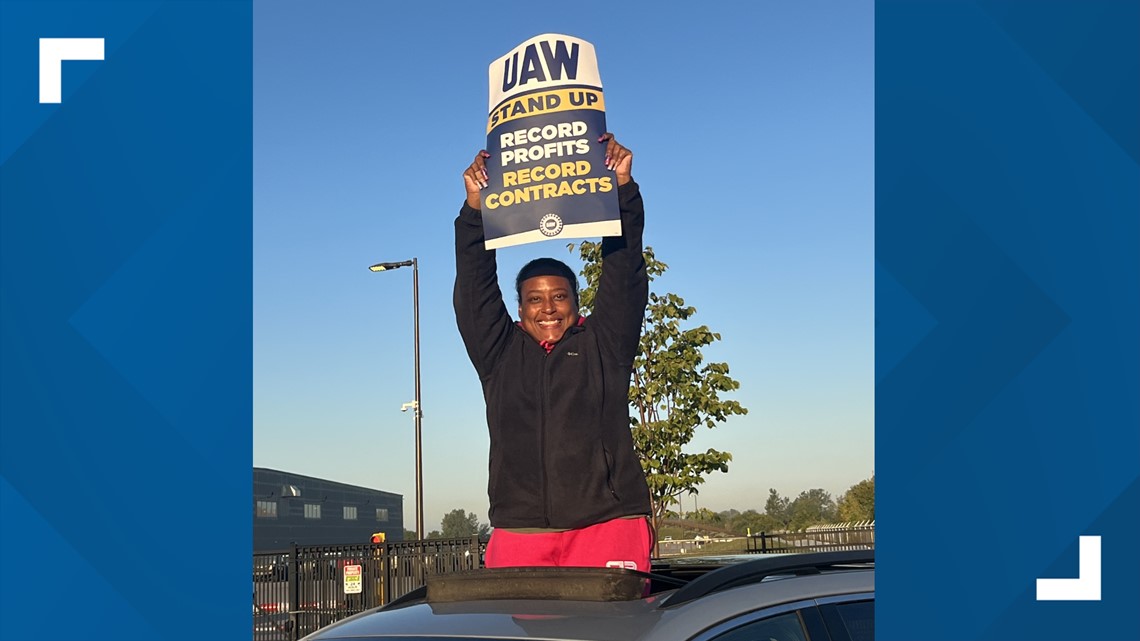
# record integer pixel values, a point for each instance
(1086, 587)
(53, 51)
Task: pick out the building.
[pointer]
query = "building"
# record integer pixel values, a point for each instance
(292, 508)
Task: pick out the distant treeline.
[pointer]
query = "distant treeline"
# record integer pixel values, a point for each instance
(811, 507)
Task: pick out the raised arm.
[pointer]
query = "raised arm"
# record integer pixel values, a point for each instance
(623, 288)
(480, 313)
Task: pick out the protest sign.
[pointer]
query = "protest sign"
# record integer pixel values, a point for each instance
(546, 174)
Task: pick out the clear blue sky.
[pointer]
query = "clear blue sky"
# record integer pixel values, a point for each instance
(752, 127)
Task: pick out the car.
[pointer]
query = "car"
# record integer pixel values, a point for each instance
(826, 596)
(271, 623)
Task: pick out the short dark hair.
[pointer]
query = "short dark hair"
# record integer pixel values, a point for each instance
(546, 267)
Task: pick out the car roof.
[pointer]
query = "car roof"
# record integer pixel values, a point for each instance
(667, 615)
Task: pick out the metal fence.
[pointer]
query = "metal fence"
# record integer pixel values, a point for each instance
(302, 589)
(305, 588)
(820, 538)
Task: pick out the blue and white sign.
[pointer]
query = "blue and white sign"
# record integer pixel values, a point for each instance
(547, 171)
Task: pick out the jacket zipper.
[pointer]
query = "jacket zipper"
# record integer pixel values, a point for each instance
(610, 474)
(542, 441)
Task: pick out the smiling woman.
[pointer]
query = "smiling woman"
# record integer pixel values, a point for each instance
(565, 486)
(547, 308)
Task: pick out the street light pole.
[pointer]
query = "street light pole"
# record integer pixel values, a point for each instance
(417, 406)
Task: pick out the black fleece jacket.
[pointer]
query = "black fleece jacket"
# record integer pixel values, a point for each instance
(561, 450)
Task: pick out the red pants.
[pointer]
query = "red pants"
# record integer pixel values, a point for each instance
(620, 543)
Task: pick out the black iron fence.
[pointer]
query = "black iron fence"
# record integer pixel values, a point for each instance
(302, 589)
(815, 539)
(305, 588)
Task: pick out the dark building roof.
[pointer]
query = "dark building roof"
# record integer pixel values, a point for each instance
(294, 508)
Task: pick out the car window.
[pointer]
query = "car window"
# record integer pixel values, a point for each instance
(857, 618)
(783, 627)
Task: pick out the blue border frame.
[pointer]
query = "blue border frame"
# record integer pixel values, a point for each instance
(1008, 316)
(126, 237)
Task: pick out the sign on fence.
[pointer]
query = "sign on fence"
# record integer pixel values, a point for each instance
(353, 579)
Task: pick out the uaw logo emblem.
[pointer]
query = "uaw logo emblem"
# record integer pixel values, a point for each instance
(550, 225)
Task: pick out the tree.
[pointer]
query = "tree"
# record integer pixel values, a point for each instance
(673, 390)
(409, 535)
(778, 508)
(858, 503)
(458, 523)
(704, 515)
(751, 521)
(727, 515)
(811, 507)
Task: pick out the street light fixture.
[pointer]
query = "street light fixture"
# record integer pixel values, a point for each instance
(415, 405)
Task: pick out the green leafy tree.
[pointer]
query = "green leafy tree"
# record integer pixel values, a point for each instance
(704, 515)
(674, 391)
(778, 508)
(751, 521)
(409, 535)
(726, 516)
(458, 524)
(858, 503)
(812, 507)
